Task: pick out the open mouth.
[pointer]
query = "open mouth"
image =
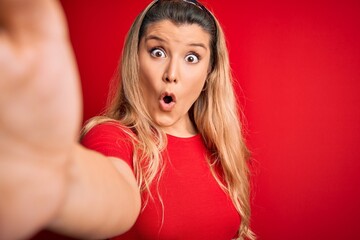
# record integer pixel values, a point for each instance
(168, 99)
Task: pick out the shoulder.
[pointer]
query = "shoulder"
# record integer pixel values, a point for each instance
(109, 129)
(111, 139)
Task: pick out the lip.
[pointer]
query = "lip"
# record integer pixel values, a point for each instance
(167, 107)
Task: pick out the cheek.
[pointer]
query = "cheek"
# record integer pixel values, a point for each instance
(196, 82)
(196, 76)
(193, 91)
(148, 76)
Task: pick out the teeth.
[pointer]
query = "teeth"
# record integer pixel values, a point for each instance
(167, 99)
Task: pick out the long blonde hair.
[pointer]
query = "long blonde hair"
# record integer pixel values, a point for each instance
(215, 113)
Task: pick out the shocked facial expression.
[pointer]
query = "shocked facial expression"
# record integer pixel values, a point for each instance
(174, 64)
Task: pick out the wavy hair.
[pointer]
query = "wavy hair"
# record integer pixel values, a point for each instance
(214, 114)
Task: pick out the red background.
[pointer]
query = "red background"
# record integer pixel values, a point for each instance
(298, 69)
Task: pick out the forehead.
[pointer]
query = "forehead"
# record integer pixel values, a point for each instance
(184, 33)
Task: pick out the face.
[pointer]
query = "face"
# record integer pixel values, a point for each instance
(174, 64)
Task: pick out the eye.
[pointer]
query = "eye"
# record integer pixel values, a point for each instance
(158, 53)
(192, 58)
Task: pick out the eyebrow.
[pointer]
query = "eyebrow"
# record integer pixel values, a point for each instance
(153, 37)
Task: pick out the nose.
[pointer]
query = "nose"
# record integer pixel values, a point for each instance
(171, 72)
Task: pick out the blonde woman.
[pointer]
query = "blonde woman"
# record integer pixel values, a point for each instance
(167, 160)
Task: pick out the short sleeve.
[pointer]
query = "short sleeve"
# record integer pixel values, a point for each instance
(110, 139)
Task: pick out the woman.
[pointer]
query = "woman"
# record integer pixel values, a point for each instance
(171, 135)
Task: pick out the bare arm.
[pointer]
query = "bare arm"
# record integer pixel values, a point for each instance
(46, 177)
(103, 199)
(34, 97)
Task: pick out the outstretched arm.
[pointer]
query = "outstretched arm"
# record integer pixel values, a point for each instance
(103, 199)
(46, 178)
(39, 91)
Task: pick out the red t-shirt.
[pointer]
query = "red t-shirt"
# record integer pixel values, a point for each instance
(194, 205)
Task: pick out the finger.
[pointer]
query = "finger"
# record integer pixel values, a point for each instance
(24, 20)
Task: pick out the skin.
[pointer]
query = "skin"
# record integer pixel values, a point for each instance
(174, 59)
(37, 92)
(45, 175)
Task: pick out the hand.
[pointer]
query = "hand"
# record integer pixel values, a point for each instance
(40, 113)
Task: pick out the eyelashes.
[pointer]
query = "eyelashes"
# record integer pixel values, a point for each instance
(192, 58)
(158, 52)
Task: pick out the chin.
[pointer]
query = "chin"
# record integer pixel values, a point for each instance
(164, 122)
